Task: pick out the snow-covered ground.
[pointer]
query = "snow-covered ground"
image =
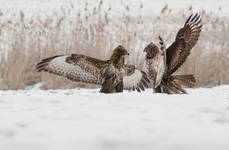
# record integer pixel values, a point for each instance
(83, 119)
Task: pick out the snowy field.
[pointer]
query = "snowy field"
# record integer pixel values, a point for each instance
(82, 119)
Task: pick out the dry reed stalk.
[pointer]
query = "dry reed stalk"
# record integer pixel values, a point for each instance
(25, 41)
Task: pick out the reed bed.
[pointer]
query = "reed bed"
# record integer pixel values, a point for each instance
(25, 40)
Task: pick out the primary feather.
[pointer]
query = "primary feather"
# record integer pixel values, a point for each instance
(185, 40)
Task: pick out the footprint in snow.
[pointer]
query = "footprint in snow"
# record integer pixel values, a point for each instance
(212, 111)
(22, 125)
(9, 133)
(221, 120)
(53, 92)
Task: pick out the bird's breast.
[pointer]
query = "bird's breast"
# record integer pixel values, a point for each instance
(117, 72)
(156, 66)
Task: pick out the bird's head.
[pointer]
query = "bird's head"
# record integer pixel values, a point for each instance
(120, 51)
(151, 50)
(118, 54)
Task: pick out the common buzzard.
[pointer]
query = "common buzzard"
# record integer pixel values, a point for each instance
(113, 74)
(161, 63)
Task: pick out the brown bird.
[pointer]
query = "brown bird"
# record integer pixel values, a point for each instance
(161, 63)
(113, 74)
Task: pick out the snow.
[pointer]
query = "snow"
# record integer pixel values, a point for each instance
(84, 119)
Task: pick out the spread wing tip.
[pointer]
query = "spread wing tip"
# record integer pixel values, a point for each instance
(42, 65)
(194, 19)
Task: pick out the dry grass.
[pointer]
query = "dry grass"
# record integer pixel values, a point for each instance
(25, 41)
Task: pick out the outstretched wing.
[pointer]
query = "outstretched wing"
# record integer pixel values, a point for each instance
(135, 79)
(81, 68)
(75, 67)
(185, 40)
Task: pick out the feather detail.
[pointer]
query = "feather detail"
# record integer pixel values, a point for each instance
(59, 66)
(112, 74)
(185, 40)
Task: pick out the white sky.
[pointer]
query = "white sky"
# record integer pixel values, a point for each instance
(149, 6)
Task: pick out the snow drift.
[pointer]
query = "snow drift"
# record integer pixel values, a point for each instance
(86, 119)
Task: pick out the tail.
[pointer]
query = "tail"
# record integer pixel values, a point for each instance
(175, 84)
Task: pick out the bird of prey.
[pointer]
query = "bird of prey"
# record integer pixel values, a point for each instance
(161, 63)
(112, 74)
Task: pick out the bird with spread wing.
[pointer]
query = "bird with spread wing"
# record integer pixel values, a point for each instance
(161, 63)
(113, 74)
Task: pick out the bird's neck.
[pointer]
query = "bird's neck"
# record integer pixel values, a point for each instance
(117, 61)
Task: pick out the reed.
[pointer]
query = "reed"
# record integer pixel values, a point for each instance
(26, 40)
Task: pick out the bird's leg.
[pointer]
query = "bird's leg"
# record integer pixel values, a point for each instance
(109, 81)
(157, 89)
(119, 87)
(108, 86)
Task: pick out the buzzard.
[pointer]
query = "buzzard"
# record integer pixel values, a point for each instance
(113, 74)
(161, 63)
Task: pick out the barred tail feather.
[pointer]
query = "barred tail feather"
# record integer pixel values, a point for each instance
(185, 80)
(174, 84)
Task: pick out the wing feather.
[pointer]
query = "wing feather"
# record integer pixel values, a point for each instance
(185, 40)
(81, 68)
(66, 66)
(135, 79)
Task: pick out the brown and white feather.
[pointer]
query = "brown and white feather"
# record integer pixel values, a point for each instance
(81, 68)
(185, 40)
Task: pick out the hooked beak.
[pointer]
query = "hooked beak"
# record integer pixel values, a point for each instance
(126, 53)
(145, 50)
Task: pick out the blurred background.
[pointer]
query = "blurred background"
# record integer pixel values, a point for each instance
(34, 29)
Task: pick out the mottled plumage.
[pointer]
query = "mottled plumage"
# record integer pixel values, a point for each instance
(113, 75)
(161, 63)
